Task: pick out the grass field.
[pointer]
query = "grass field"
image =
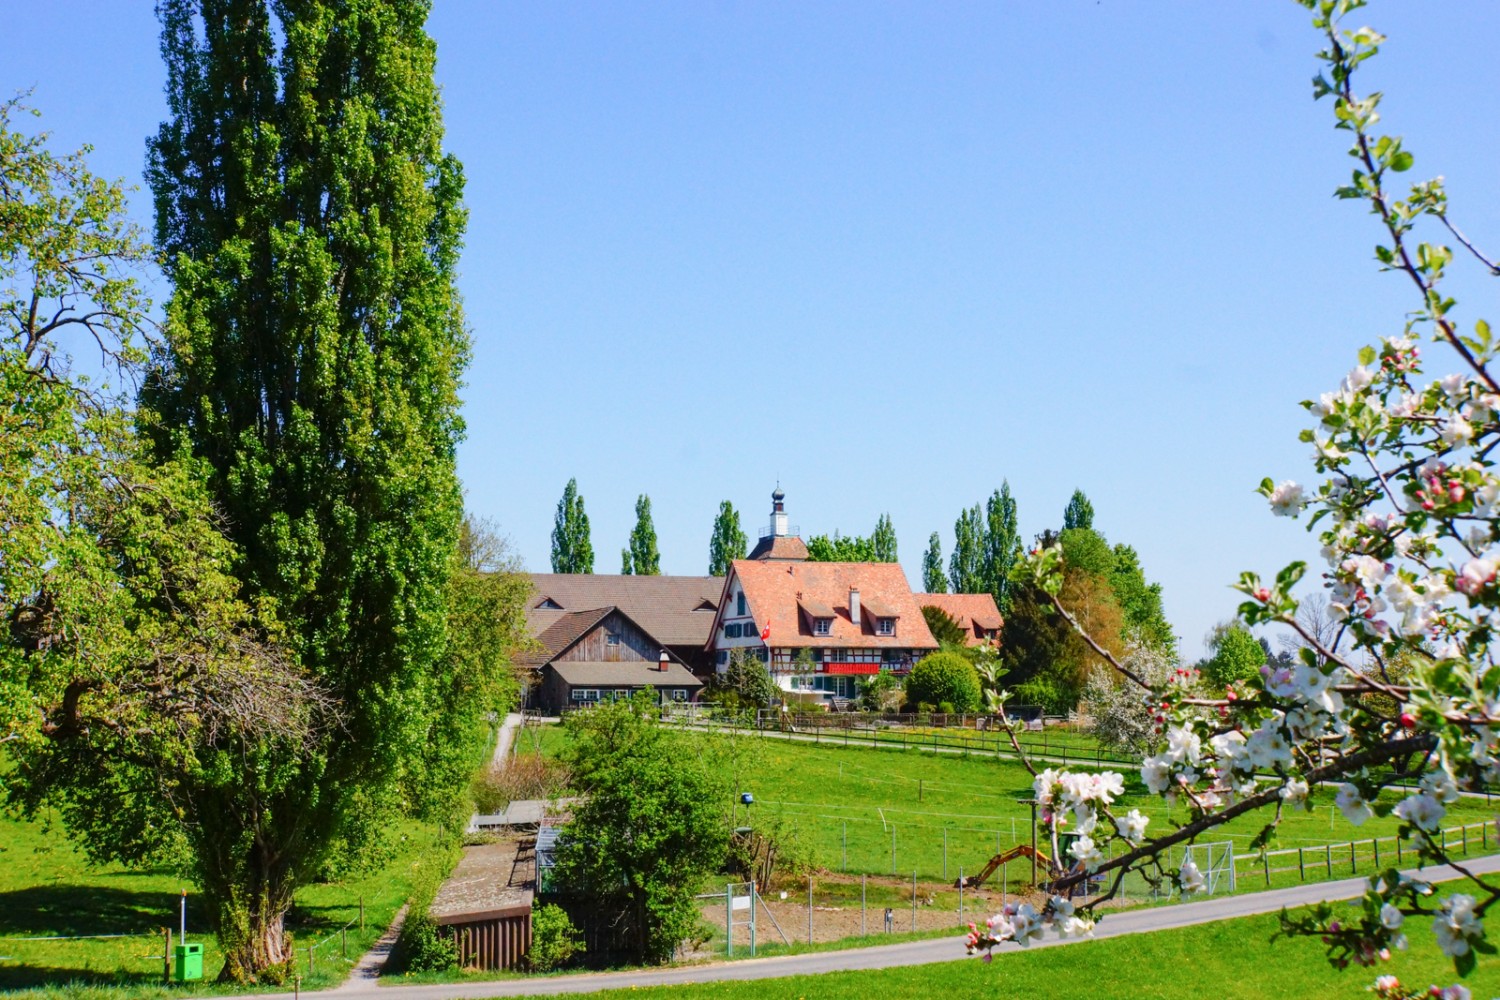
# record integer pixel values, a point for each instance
(48, 889)
(888, 811)
(1230, 960)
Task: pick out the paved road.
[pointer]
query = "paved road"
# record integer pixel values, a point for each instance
(885, 956)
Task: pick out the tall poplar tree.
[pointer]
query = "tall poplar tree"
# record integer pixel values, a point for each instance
(1002, 545)
(572, 549)
(966, 565)
(1079, 513)
(933, 579)
(728, 542)
(311, 224)
(645, 559)
(883, 540)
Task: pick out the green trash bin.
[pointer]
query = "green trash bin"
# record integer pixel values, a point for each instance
(188, 963)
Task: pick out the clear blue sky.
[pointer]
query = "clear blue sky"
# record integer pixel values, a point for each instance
(891, 254)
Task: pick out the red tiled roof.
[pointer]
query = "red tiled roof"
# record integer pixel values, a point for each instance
(775, 590)
(786, 547)
(968, 610)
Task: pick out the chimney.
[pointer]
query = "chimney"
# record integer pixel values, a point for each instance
(854, 605)
(663, 662)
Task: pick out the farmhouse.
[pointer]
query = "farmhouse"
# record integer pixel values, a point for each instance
(820, 625)
(976, 614)
(603, 637)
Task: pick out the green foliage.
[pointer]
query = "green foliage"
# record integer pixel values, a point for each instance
(944, 677)
(651, 826)
(745, 684)
(883, 540)
(727, 543)
(314, 344)
(1002, 545)
(572, 550)
(1236, 656)
(823, 548)
(943, 628)
(881, 693)
(422, 946)
(554, 939)
(966, 565)
(642, 558)
(1079, 513)
(1140, 602)
(1086, 551)
(934, 581)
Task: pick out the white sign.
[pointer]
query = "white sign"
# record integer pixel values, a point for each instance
(740, 903)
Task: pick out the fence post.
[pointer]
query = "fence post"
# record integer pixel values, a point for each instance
(1375, 844)
(309, 960)
(845, 865)
(1398, 848)
(960, 895)
(1465, 831)
(945, 854)
(913, 901)
(1353, 865)
(344, 941)
(361, 912)
(919, 789)
(1328, 858)
(1301, 867)
(1265, 860)
(862, 931)
(728, 920)
(166, 956)
(893, 848)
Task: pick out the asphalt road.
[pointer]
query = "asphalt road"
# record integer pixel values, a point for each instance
(885, 956)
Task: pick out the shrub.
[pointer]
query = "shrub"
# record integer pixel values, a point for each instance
(554, 939)
(946, 708)
(944, 677)
(523, 777)
(424, 948)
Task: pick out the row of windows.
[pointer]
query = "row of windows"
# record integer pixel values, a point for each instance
(883, 626)
(619, 694)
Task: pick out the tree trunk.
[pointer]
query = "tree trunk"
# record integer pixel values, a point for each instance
(252, 926)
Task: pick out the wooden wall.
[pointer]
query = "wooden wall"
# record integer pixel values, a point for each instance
(634, 645)
(493, 942)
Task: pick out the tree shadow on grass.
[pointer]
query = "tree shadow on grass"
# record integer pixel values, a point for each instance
(87, 909)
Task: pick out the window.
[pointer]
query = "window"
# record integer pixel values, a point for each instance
(886, 626)
(739, 602)
(679, 694)
(822, 626)
(548, 604)
(732, 631)
(585, 694)
(723, 657)
(611, 638)
(622, 694)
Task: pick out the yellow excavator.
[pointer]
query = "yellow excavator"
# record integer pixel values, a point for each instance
(1019, 851)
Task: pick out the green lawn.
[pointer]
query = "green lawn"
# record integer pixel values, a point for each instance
(47, 888)
(849, 805)
(1230, 960)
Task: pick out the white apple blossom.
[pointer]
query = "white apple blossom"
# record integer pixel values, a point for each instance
(1287, 499)
(1353, 805)
(1457, 925)
(1294, 793)
(1391, 918)
(1156, 774)
(1184, 746)
(1132, 827)
(1190, 879)
(1456, 430)
(1422, 811)
(1087, 852)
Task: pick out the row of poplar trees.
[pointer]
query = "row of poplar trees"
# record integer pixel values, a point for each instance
(257, 642)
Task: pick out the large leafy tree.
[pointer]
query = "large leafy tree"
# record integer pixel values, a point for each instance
(642, 556)
(840, 548)
(727, 543)
(1140, 602)
(572, 548)
(651, 826)
(934, 581)
(311, 223)
(1002, 545)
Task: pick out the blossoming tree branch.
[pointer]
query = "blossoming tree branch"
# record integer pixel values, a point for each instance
(1406, 692)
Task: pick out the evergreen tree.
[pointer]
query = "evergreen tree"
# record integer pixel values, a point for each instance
(1079, 512)
(728, 542)
(883, 540)
(1002, 545)
(642, 557)
(933, 579)
(966, 565)
(572, 551)
(311, 225)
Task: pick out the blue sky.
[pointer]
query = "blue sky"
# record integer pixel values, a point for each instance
(892, 254)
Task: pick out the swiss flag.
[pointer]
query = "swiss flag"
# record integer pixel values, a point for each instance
(765, 633)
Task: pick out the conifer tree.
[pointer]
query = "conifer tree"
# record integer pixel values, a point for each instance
(1079, 513)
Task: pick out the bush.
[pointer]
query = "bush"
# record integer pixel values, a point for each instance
(554, 939)
(424, 948)
(946, 708)
(944, 677)
(528, 776)
(421, 947)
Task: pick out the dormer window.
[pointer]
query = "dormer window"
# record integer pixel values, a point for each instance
(822, 626)
(885, 626)
(548, 604)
